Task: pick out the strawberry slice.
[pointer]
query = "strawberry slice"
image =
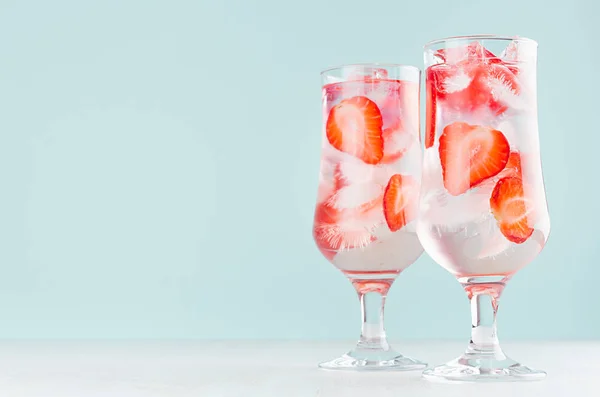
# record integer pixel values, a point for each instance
(354, 127)
(430, 111)
(511, 209)
(400, 201)
(513, 166)
(469, 154)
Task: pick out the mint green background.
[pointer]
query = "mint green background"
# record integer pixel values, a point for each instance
(158, 168)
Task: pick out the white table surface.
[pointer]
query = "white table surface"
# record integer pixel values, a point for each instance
(263, 368)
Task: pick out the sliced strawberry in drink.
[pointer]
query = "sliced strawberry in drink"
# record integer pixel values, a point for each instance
(396, 142)
(512, 55)
(400, 201)
(513, 166)
(354, 127)
(469, 154)
(430, 110)
(511, 209)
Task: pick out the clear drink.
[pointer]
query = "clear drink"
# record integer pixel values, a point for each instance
(483, 207)
(368, 195)
(483, 213)
(365, 217)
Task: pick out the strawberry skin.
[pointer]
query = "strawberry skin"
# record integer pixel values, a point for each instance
(470, 154)
(511, 210)
(354, 126)
(430, 109)
(400, 201)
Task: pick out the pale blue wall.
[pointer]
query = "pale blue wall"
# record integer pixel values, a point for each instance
(158, 167)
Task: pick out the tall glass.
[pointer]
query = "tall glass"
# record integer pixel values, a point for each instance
(483, 213)
(368, 194)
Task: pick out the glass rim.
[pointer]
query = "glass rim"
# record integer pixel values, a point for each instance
(365, 64)
(480, 37)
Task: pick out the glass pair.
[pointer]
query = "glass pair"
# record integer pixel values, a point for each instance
(473, 198)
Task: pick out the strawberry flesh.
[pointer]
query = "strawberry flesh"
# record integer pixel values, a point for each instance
(470, 154)
(354, 126)
(400, 201)
(511, 209)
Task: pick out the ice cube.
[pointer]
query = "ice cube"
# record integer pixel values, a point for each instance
(454, 55)
(504, 88)
(456, 82)
(382, 94)
(484, 239)
(511, 52)
(432, 168)
(362, 72)
(379, 73)
(507, 260)
(521, 131)
(331, 79)
(410, 164)
(409, 98)
(396, 142)
(518, 51)
(354, 171)
(331, 96)
(432, 57)
(355, 196)
(507, 127)
(453, 213)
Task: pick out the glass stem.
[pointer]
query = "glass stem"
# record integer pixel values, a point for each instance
(484, 336)
(373, 332)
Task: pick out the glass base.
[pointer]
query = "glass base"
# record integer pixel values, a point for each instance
(471, 368)
(360, 360)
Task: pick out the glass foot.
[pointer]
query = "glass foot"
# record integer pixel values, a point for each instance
(360, 360)
(470, 368)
